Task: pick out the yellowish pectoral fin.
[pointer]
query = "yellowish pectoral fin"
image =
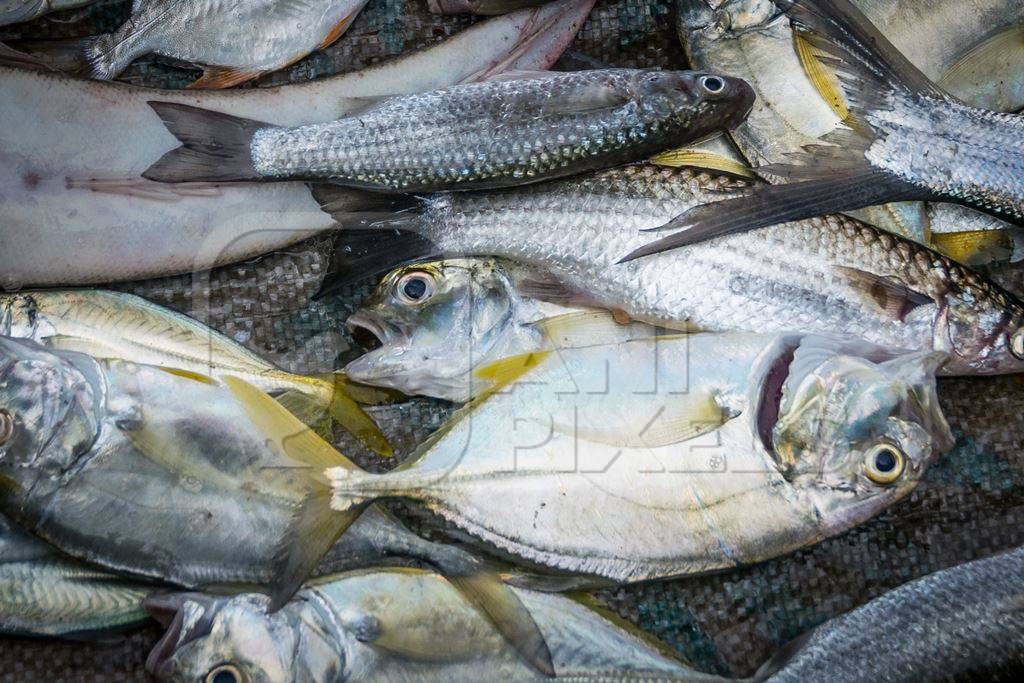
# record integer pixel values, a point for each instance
(189, 374)
(591, 328)
(975, 247)
(338, 31)
(219, 77)
(504, 372)
(701, 159)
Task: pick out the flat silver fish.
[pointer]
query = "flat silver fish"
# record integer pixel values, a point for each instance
(831, 275)
(76, 210)
(675, 455)
(14, 11)
(479, 135)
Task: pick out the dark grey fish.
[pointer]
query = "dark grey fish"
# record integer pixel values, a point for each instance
(479, 135)
(481, 7)
(904, 139)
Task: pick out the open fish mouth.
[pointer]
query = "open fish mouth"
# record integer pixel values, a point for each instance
(371, 333)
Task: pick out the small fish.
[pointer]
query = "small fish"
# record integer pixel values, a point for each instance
(391, 626)
(192, 481)
(904, 139)
(235, 41)
(965, 623)
(116, 325)
(644, 459)
(15, 11)
(524, 129)
(831, 275)
(483, 7)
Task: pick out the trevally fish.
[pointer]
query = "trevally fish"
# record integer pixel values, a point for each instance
(76, 210)
(484, 7)
(435, 324)
(14, 11)
(162, 474)
(830, 275)
(392, 626)
(644, 459)
(236, 41)
(903, 138)
(116, 325)
(480, 135)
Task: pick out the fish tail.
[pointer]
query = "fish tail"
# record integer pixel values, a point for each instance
(379, 232)
(107, 56)
(71, 55)
(858, 72)
(215, 147)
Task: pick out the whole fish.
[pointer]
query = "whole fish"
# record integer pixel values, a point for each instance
(830, 275)
(43, 593)
(76, 210)
(965, 623)
(434, 324)
(478, 135)
(390, 626)
(117, 325)
(237, 40)
(903, 138)
(189, 480)
(645, 459)
(14, 11)
(484, 7)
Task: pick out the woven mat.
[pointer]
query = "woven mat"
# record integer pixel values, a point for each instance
(970, 504)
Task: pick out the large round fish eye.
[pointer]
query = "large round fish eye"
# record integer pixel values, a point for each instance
(6, 426)
(415, 288)
(1017, 344)
(712, 85)
(225, 673)
(884, 463)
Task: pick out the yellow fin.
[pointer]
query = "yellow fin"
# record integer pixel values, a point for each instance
(985, 75)
(975, 247)
(216, 77)
(824, 80)
(507, 370)
(698, 158)
(591, 328)
(188, 374)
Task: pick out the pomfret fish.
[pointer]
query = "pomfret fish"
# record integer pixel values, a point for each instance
(14, 11)
(644, 459)
(390, 626)
(478, 135)
(830, 275)
(76, 210)
(903, 138)
(116, 325)
(189, 481)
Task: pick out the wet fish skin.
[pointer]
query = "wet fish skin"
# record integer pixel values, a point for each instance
(474, 136)
(959, 624)
(815, 275)
(482, 7)
(15, 11)
(390, 626)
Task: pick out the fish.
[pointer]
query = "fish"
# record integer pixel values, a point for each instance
(16, 11)
(903, 139)
(106, 324)
(831, 275)
(430, 326)
(77, 212)
(237, 42)
(175, 477)
(642, 460)
(502, 132)
(390, 626)
(965, 623)
(482, 7)
(43, 593)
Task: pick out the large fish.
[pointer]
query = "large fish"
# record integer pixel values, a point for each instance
(903, 138)
(675, 455)
(831, 275)
(76, 211)
(166, 475)
(391, 626)
(116, 325)
(237, 40)
(479, 135)
(14, 11)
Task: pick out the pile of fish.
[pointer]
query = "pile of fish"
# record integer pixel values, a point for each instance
(636, 405)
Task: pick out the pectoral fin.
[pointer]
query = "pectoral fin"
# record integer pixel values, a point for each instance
(219, 77)
(975, 247)
(701, 159)
(890, 295)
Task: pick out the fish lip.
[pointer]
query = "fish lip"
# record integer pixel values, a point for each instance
(381, 333)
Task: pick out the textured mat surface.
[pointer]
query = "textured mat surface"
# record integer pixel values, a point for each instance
(971, 503)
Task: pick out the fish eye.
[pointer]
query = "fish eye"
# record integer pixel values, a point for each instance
(415, 288)
(713, 85)
(6, 426)
(884, 463)
(1017, 345)
(225, 673)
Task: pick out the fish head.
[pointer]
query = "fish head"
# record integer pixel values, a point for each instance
(856, 431)
(20, 317)
(702, 102)
(221, 639)
(981, 335)
(51, 407)
(433, 323)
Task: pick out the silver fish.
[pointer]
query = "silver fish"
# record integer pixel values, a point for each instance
(479, 135)
(904, 139)
(391, 626)
(965, 623)
(644, 459)
(484, 7)
(830, 275)
(14, 11)
(64, 164)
